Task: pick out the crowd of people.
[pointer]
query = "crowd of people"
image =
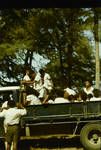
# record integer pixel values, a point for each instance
(36, 87)
(39, 89)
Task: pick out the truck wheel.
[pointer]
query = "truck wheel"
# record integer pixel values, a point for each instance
(90, 136)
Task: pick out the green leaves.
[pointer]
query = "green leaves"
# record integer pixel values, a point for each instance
(56, 32)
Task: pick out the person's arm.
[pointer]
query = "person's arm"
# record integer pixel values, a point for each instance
(22, 110)
(27, 82)
(2, 114)
(27, 103)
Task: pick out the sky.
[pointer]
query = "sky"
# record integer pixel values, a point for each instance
(90, 36)
(39, 61)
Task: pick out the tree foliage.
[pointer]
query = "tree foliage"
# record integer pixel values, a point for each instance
(58, 33)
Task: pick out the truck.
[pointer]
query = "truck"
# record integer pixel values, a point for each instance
(61, 120)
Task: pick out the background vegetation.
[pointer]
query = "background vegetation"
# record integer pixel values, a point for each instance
(60, 34)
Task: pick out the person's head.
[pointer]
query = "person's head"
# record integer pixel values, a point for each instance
(33, 74)
(96, 92)
(89, 96)
(45, 68)
(66, 94)
(88, 83)
(83, 96)
(27, 72)
(11, 104)
(27, 69)
(6, 97)
(71, 98)
(42, 72)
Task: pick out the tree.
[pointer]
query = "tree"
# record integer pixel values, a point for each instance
(54, 32)
(96, 36)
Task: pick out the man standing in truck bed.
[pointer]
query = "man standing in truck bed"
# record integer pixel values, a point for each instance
(12, 117)
(43, 84)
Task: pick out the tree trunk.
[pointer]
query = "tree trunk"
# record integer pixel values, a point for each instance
(96, 35)
(70, 62)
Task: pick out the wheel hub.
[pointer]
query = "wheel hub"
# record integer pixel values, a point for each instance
(94, 138)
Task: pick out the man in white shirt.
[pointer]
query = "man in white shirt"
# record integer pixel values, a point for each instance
(68, 92)
(88, 88)
(43, 84)
(61, 98)
(32, 100)
(27, 82)
(12, 118)
(26, 78)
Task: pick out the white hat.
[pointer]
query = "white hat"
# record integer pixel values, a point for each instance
(70, 91)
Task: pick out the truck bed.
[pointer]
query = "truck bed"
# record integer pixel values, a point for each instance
(63, 119)
(63, 111)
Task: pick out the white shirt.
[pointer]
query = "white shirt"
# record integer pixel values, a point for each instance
(70, 91)
(38, 82)
(33, 100)
(61, 100)
(50, 101)
(95, 99)
(12, 115)
(47, 82)
(90, 91)
(26, 78)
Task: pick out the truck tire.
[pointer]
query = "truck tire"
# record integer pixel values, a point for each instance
(90, 136)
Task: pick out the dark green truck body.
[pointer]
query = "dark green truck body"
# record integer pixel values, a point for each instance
(62, 120)
(60, 116)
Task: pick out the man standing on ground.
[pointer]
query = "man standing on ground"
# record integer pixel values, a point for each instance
(12, 118)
